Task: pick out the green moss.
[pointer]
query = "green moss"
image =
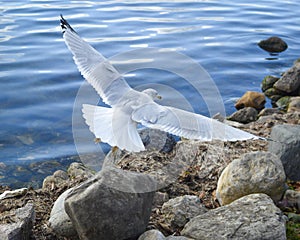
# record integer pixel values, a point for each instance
(292, 230)
(268, 82)
(283, 102)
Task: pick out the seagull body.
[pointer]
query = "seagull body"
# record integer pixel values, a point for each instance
(117, 125)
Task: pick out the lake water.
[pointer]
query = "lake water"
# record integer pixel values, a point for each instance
(39, 80)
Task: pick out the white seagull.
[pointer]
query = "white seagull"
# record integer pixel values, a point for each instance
(117, 125)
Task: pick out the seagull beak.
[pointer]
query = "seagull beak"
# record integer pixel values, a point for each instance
(159, 97)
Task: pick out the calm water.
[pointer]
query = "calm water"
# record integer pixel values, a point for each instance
(39, 80)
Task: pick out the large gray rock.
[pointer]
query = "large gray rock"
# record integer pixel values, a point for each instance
(256, 172)
(290, 81)
(115, 204)
(253, 217)
(178, 211)
(59, 220)
(286, 145)
(22, 226)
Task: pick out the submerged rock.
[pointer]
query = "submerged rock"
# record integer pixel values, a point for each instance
(286, 145)
(251, 217)
(257, 172)
(115, 204)
(251, 99)
(273, 45)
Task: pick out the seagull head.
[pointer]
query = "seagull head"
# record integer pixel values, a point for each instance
(152, 93)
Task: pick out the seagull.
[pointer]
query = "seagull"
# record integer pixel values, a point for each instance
(117, 125)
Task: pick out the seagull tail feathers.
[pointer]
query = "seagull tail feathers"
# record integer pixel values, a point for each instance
(122, 133)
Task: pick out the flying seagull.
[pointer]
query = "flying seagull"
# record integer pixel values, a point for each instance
(117, 125)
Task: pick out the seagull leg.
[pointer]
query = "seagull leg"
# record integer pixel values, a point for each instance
(97, 140)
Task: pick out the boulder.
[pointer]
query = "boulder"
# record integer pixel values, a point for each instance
(114, 204)
(294, 105)
(273, 45)
(178, 211)
(268, 82)
(290, 80)
(21, 224)
(286, 145)
(251, 99)
(256, 172)
(59, 221)
(244, 115)
(252, 217)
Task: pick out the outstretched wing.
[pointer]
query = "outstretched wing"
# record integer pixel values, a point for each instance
(94, 67)
(187, 124)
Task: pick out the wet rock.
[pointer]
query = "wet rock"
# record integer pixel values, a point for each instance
(268, 82)
(114, 204)
(21, 226)
(178, 211)
(274, 94)
(273, 45)
(152, 235)
(251, 99)
(58, 178)
(79, 170)
(59, 220)
(251, 217)
(290, 201)
(294, 104)
(256, 172)
(286, 145)
(13, 193)
(290, 81)
(244, 115)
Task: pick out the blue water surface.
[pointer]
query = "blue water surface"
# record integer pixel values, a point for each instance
(39, 80)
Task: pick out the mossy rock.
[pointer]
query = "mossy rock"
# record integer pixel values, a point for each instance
(268, 82)
(283, 102)
(273, 94)
(292, 230)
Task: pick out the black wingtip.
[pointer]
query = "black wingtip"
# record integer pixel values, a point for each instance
(65, 25)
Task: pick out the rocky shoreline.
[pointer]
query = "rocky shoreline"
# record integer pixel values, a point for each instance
(215, 190)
